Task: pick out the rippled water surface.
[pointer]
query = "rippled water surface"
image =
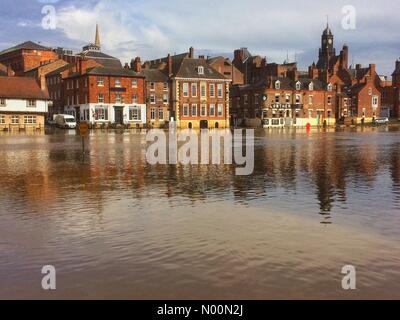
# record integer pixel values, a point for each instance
(116, 227)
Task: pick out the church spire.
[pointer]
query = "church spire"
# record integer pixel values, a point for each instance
(97, 41)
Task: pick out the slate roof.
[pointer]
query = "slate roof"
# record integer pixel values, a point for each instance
(104, 59)
(189, 69)
(59, 70)
(28, 45)
(21, 88)
(99, 71)
(154, 75)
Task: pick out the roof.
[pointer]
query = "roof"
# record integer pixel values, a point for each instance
(59, 70)
(102, 58)
(100, 71)
(154, 75)
(189, 69)
(21, 88)
(28, 45)
(286, 83)
(3, 70)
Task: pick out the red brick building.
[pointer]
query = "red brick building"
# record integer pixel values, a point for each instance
(396, 90)
(26, 56)
(98, 95)
(157, 94)
(225, 67)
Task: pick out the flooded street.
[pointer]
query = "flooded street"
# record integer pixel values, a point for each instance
(116, 227)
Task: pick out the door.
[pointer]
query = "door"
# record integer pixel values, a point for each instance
(203, 124)
(119, 115)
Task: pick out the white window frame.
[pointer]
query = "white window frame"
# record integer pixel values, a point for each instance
(203, 110)
(194, 92)
(153, 98)
(100, 98)
(185, 90)
(220, 90)
(212, 110)
(185, 111)
(220, 110)
(194, 107)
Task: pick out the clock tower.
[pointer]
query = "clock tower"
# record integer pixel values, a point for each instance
(327, 50)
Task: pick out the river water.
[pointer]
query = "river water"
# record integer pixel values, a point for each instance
(114, 226)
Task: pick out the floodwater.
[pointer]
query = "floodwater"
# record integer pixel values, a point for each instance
(114, 226)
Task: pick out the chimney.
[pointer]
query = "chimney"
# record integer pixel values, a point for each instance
(191, 52)
(358, 66)
(137, 65)
(126, 65)
(372, 69)
(202, 57)
(169, 65)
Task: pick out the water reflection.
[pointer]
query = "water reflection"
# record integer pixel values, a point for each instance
(113, 213)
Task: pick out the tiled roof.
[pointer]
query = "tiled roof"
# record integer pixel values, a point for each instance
(154, 75)
(21, 88)
(28, 45)
(189, 69)
(113, 72)
(104, 59)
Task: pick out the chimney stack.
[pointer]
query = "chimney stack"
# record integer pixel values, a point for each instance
(169, 65)
(137, 65)
(10, 72)
(191, 52)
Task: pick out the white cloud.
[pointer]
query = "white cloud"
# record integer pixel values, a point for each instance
(152, 28)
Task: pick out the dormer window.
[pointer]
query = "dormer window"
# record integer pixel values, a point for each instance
(330, 87)
(298, 85)
(277, 85)
(311, 86)
(200, 70)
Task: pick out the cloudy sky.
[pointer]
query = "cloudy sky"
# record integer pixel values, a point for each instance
(152, 28)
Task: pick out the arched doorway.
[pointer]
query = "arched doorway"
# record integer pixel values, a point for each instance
(203, 124)
(190, 126)
(216, 125)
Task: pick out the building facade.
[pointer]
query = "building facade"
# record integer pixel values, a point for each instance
(104, 96)
(396, 90)
(23, 104)
(199, 94)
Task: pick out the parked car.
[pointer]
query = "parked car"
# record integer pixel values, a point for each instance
(65, 121)
(382, 120)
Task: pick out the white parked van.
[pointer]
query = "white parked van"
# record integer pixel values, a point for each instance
(65, 121)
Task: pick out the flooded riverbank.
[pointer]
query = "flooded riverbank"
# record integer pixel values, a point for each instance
(117, 227)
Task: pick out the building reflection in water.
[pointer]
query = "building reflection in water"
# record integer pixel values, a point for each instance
(293, 171)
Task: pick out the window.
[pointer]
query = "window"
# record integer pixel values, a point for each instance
(77, 99)
(31, 103)
(220, 111)
(101, 114)
(256, 99)
(329, 100)
(86, 82)
(220, 91)
(212, 90)
(165, 98)
(277, 98)
(165, 86)
(135, 114)
(100, 98)
(134, 98)
(212, 110)
(277, 85)
(194, 89)
(375, 101)
(245, 99)
(134, 83)
(310, 99)
(118, 83)
(298, 86)
(200, 70)
(2, 119)
(119, 98)
(185, 110)
(330, 87)
(152, 114)
(203, 90)
(14, 119)
(186, 90)
(160, 113)
(77, 83)
(100, 82)
(29, 119)
(298, 98)
(203, 110)
(153, 98)
(194, 110)
(311, 86)
(152, 86)
(287, 98)
(2, 102)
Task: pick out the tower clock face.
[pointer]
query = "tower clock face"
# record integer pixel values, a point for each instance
(330, 41)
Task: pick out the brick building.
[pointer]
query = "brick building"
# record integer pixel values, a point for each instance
(225, 67)
(396, 90)
(26, 56)
(199, 94)
(23, 104)
(157, 94)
